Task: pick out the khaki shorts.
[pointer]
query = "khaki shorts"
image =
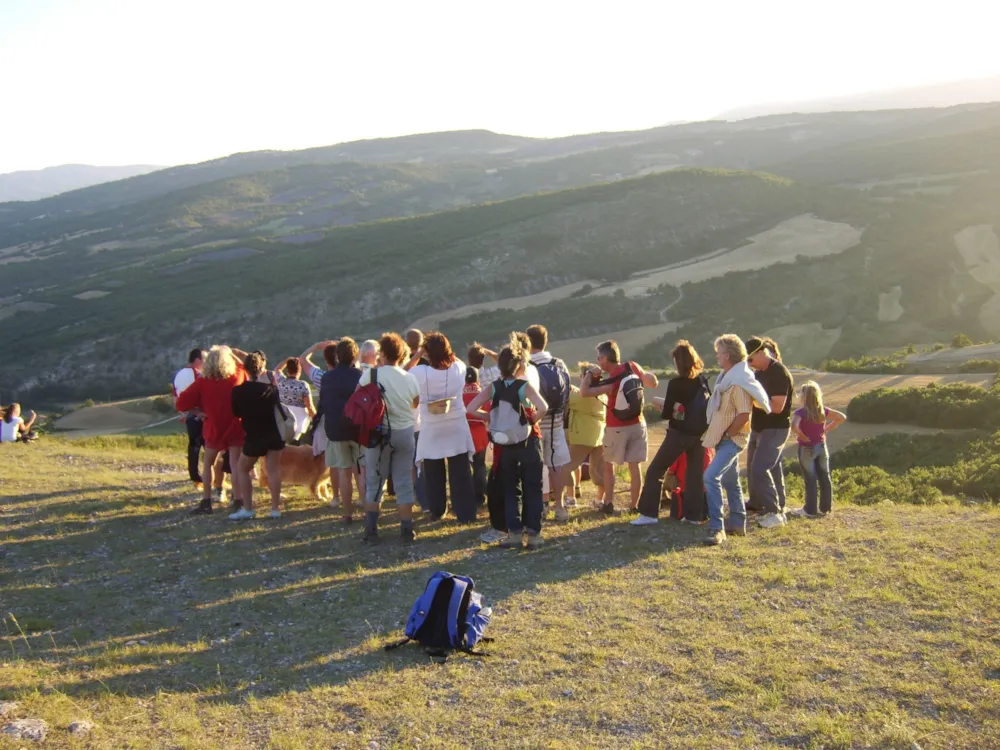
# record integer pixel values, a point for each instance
(555, 451)
(625, 445)
(343, 454)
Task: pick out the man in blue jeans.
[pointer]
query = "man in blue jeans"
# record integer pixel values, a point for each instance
(736, 390)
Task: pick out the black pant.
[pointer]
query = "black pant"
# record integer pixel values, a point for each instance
(496, 503)
(459, 480)
(479, 476)
(521, 472)
(195, 442)
(674, 445)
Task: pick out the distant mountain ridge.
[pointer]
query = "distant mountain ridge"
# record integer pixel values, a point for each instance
(975, 90)
(35, 184)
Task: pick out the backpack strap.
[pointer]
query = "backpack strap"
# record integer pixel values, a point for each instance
(397, 644)
(422, 607)
(457, 595)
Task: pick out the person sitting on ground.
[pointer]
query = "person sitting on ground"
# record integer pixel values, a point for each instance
(585, 432)
(13, 428)
(811, 423)
(342, 452)
(368, 355)
(294, 394)
(480, 435)
(517, 410)
(625, 439)
(254, 402)
(393, 460)
(768, 432)
(684, 406)
(212, 395)
(729, 407)
(445, 438)
(192, 420)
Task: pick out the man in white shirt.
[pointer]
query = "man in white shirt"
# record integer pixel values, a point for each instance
(554, 386)
(183, 380)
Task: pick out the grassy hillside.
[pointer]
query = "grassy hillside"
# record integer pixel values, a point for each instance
(873, 628)
(365, 278)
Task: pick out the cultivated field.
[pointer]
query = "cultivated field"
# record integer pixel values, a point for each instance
(872, 629)
(115, 417)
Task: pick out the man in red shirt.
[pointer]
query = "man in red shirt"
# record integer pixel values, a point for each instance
(625, 439)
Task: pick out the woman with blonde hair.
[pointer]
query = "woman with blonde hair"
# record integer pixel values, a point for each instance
(212, 394)
(684, 407)
(810, 424)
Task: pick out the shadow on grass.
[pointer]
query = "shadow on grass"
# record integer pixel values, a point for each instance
(287, 604)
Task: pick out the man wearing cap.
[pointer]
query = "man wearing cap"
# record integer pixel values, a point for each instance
(768, 432)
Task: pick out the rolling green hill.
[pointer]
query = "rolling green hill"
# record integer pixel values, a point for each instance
(102, 298)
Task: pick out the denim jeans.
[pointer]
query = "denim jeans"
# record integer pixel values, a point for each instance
(521, 468)
(765, 474)
(724, 473)
(815, 463)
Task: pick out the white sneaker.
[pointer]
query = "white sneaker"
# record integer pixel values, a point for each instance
(219, 495)
(561, 514)
(569, 501)
(642, 520)
(275, 514)
(242, 515)
(772, 520)
(491, 536)
(802, 513)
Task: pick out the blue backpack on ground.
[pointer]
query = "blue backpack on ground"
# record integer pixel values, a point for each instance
(553, 378)
(448, 616)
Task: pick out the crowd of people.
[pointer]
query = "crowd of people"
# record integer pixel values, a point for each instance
(505, 429)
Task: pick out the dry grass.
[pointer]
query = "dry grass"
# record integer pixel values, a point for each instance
(875, 628)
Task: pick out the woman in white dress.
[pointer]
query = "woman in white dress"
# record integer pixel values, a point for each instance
(445, 447)
(295, 395)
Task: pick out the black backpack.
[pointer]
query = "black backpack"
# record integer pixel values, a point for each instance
(696, 410)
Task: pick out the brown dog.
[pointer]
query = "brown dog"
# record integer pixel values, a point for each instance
(299, 467)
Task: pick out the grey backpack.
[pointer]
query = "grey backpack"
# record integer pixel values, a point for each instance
(508, 422)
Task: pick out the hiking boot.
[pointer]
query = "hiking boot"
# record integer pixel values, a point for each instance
(607, 509)
(243, 515)
(562, 514)
(736, 531)
(408, 536)
(533, 541)
(644, 521)
(803, 513)
(772, 520)
(715, 537)
(510, 541)
(491, 536)
(204, 508)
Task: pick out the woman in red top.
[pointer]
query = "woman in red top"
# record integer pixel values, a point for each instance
(222, 431)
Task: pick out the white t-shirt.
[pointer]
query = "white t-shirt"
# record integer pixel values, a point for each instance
(10, 430)
(442, 435)
(400, 390)
(183, 380)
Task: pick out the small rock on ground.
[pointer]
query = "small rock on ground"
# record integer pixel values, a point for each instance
(79, 727)
(7, 707)
(26, 729)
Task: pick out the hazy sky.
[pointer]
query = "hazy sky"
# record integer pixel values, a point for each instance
(169, 82)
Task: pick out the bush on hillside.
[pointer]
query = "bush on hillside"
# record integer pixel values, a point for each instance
(955, 405)
(960, 341)
(980, 365)
(867, 365)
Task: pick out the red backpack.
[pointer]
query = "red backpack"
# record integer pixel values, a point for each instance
(365, 415)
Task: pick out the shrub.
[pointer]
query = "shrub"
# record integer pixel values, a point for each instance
(867, 365)
(980, 365)
(955, 405)
(163, 405)
(960, 341)
(87, 404)
(652, 413)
